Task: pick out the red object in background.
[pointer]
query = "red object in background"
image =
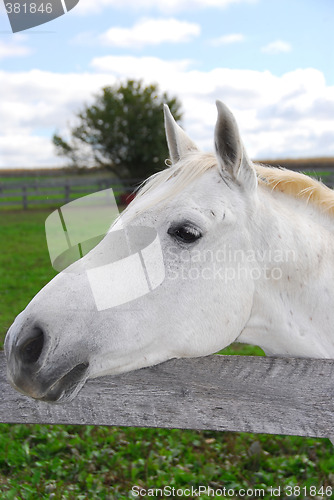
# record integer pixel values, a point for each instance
(126, 198)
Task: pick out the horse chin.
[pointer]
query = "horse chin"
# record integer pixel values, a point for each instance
(66, 388)
(62, 390)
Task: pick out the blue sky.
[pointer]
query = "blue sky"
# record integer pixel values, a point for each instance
(270, 61)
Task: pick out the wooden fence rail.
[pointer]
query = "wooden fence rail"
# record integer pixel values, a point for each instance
(57, 191)
(225, 393)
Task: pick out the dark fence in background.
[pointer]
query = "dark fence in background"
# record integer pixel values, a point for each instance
(55, 192)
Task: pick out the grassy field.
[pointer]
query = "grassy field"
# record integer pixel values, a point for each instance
(85, 462)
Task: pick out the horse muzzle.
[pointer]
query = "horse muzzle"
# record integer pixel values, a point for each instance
(27, 351)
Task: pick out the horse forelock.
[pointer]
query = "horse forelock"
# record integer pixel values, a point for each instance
(167, 183)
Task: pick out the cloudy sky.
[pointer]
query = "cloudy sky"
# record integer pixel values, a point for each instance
(270, 61)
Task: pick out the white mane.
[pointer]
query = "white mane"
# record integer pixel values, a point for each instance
(169, 182)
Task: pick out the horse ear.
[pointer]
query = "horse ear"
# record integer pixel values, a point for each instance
(230, 151)
(179, 144)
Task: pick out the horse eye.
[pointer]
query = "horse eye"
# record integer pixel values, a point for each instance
(185, 233)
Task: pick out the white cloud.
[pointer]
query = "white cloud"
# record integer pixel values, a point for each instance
(228, 39)
(36, 103)
(279, 116)
(18, 150)
(165, 6)
(14, 48)
(137, 67)
(277, 47)
(151, 32)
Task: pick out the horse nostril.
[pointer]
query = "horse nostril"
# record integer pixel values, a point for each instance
(31, 350)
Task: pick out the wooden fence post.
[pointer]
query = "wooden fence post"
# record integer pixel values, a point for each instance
(24, 197)
(67, 192)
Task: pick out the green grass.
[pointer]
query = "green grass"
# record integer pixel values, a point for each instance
(24, 262)
(85, 462)
(89, 462)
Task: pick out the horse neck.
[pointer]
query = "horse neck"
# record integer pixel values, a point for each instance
(292, 313)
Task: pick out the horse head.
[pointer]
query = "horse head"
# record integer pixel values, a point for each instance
(199, 212)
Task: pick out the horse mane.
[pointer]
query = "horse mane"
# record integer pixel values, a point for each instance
(172, 180)
(297, 185)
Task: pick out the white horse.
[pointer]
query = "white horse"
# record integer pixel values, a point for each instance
(248, 253)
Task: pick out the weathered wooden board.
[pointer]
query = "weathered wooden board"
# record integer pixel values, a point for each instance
(235, 393)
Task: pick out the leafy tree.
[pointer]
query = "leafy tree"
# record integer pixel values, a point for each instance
(122, 131)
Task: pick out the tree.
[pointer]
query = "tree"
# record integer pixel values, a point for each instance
(122, 131)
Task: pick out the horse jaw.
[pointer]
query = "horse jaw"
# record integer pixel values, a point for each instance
(292, 307)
